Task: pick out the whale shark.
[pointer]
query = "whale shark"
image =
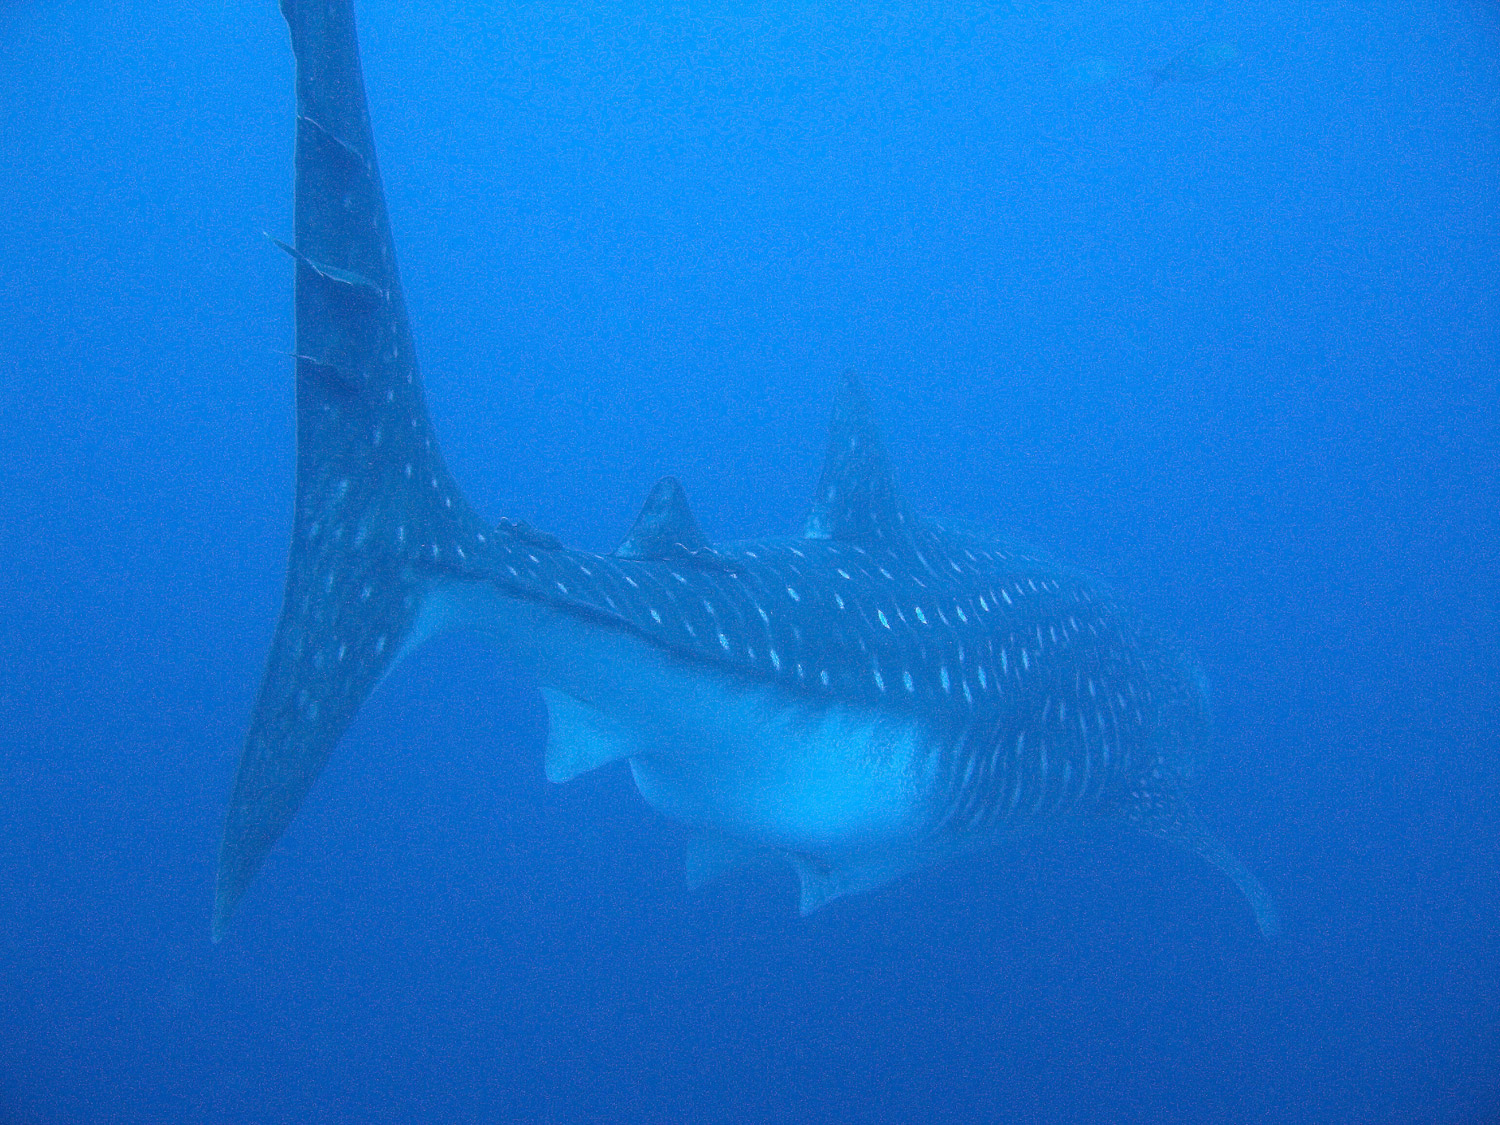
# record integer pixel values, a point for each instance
(872, 696)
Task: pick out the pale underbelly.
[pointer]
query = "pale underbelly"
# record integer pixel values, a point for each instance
(838, 779)
(713, 750)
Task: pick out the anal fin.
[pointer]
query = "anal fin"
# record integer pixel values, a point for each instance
(580, 738)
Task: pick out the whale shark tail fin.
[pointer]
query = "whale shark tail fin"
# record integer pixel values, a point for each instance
(379, 523)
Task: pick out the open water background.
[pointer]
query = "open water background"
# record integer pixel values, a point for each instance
(1231, 342)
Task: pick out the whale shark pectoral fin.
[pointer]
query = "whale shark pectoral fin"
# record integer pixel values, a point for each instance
(1165, 813)
(580, 738)
(712, 855)
(1267, 917)
(823, 880)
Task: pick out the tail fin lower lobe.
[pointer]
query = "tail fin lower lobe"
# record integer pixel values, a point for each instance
(378, 519)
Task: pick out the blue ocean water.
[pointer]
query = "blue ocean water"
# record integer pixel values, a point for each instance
(1227, 337)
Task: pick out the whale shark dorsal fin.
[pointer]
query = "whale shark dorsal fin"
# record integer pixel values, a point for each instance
(857, 499)
(665, 529)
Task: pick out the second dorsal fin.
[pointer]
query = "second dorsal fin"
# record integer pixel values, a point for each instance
(857, 500)
(665, 529)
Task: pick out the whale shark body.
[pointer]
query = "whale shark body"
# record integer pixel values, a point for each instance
(871, 697)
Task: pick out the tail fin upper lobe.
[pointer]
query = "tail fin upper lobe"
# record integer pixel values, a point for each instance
(378, 518)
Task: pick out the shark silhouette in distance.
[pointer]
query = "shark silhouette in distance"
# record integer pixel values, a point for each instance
(874, 696)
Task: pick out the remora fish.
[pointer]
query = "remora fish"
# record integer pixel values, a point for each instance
(875, 696)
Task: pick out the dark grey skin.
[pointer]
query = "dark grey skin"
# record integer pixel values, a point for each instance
(875, 696)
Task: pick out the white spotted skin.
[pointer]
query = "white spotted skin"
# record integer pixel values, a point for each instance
(848, 717)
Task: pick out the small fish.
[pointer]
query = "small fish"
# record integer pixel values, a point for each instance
(1093, 70)
(1196, 64)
